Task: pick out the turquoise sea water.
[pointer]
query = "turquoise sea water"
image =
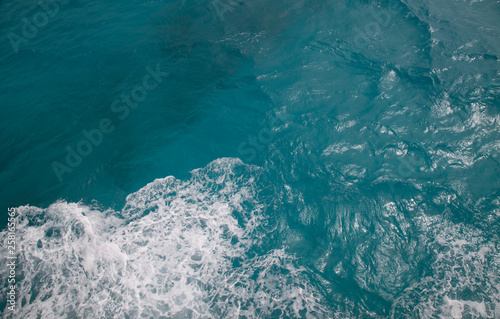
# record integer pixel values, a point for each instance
(251, 159)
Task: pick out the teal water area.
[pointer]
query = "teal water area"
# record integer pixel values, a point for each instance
(252, 159)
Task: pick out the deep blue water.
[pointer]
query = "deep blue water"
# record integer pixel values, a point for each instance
(251, 159)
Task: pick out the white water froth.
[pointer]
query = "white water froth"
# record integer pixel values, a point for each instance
(178, 249)
(464, 282)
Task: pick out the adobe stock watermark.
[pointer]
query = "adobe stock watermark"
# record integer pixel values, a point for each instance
(122, 107)
(371, 30)
(11, 259)
(409, 165)
(256, 143)
(223, 6)
(29, 27)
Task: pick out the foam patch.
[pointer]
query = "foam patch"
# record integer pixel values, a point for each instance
(178, 249)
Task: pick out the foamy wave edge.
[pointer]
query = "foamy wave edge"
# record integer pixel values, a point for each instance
(178, 249)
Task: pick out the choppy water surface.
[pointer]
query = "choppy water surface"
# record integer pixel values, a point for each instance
(252, 159)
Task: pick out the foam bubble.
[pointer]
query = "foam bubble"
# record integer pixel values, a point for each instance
(178, 249)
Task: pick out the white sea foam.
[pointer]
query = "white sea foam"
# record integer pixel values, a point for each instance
(192, 249)
(464, 282)
(178, 249)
